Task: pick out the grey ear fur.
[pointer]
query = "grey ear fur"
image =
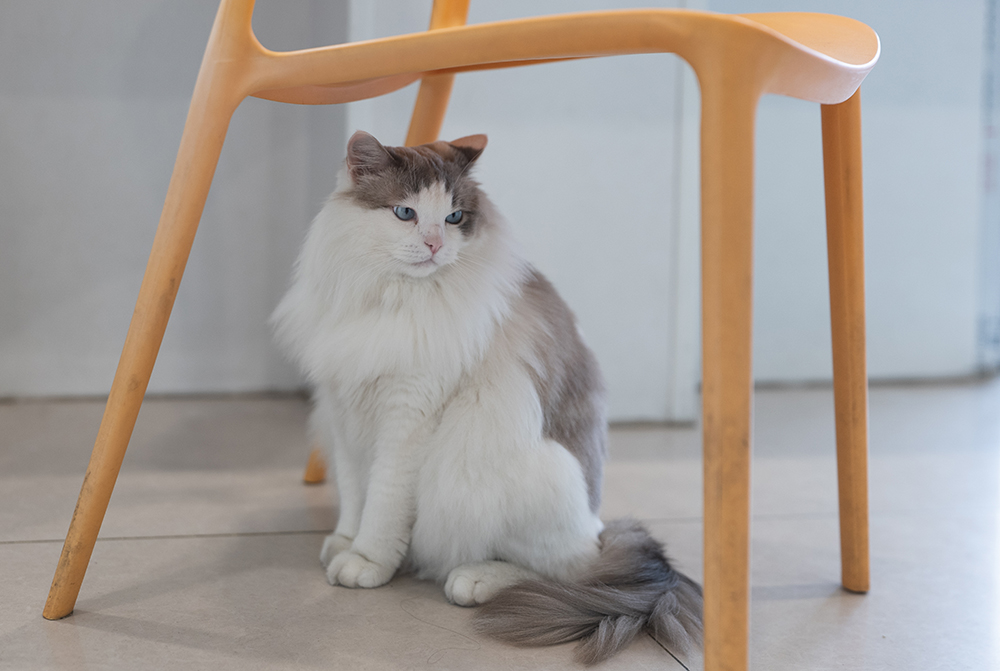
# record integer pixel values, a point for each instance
(366, 154)
(470, 145)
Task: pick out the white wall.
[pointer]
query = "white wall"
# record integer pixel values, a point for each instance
(583, 160)
(92, 104)
(922, 150)
(594, 162)
(593, 149)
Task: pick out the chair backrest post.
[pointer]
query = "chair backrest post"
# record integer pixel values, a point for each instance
(448, 13)
(435, 90)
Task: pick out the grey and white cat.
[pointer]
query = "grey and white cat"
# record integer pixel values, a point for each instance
(463, 413)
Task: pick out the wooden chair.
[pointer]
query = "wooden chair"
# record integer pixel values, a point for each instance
(737, 59)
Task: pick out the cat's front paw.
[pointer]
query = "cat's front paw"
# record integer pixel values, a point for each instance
(333, 545)
(352, 570)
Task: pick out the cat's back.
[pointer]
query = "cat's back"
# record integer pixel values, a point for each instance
(566, 375)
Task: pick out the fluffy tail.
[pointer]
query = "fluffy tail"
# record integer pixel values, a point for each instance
(630, 587)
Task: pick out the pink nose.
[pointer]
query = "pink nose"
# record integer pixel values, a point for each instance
(434, 242)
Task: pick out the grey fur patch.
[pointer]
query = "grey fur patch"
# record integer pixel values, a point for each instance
(630, 587)
(383, 176)
(567, 379)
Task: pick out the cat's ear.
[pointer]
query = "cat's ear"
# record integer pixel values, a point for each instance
(471, 146)
(365, 154)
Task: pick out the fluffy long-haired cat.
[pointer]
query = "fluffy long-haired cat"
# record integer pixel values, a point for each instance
(464, 415)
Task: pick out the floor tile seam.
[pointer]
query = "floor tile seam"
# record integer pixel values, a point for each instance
(233, 534)
(292, 532)
(764, 517)
(754, 517)
(666, 649)
(934, 513)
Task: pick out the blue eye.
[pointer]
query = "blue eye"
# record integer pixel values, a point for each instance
(454, 217)
(404, 213)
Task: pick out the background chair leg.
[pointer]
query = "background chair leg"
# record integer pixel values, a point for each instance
(727, 134)
(435, 90)
(845, 247)
(429, 110)
(315, 468)
(211, 108)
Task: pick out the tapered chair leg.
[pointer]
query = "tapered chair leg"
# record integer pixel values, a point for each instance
(435, 90)
(845, 247)
(315, 468)
(727, 134)
(211, 108)
(429, 110)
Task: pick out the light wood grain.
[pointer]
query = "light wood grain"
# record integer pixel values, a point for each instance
(845, 249)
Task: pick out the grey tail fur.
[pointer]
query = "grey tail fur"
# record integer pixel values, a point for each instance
(630, 587)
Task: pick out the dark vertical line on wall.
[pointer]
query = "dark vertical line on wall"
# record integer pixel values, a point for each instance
(988, 331)
(674, 251)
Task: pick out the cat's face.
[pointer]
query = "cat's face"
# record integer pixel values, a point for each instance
(423, 208)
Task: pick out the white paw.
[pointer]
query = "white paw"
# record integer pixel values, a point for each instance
(473, 584)
(352, 570)
(333, 545)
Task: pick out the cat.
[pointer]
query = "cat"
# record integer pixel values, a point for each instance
(463, 413)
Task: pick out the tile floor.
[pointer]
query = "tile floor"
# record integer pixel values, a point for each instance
(209, 552)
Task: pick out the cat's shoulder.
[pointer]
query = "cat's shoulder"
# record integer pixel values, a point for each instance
(539, 296)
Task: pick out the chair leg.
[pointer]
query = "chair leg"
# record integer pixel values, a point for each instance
(429, 110)
(435, 90)
(727, 135)
(204, 132)
(315, 468)
(845, 247)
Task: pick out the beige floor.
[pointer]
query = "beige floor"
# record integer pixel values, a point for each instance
(209, 552)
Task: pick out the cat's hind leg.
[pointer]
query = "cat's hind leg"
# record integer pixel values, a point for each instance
(478, 582)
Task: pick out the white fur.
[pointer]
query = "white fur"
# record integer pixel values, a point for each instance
(476, 583)
(424, 401)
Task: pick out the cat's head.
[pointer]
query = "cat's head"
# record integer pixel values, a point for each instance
(422, 205)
